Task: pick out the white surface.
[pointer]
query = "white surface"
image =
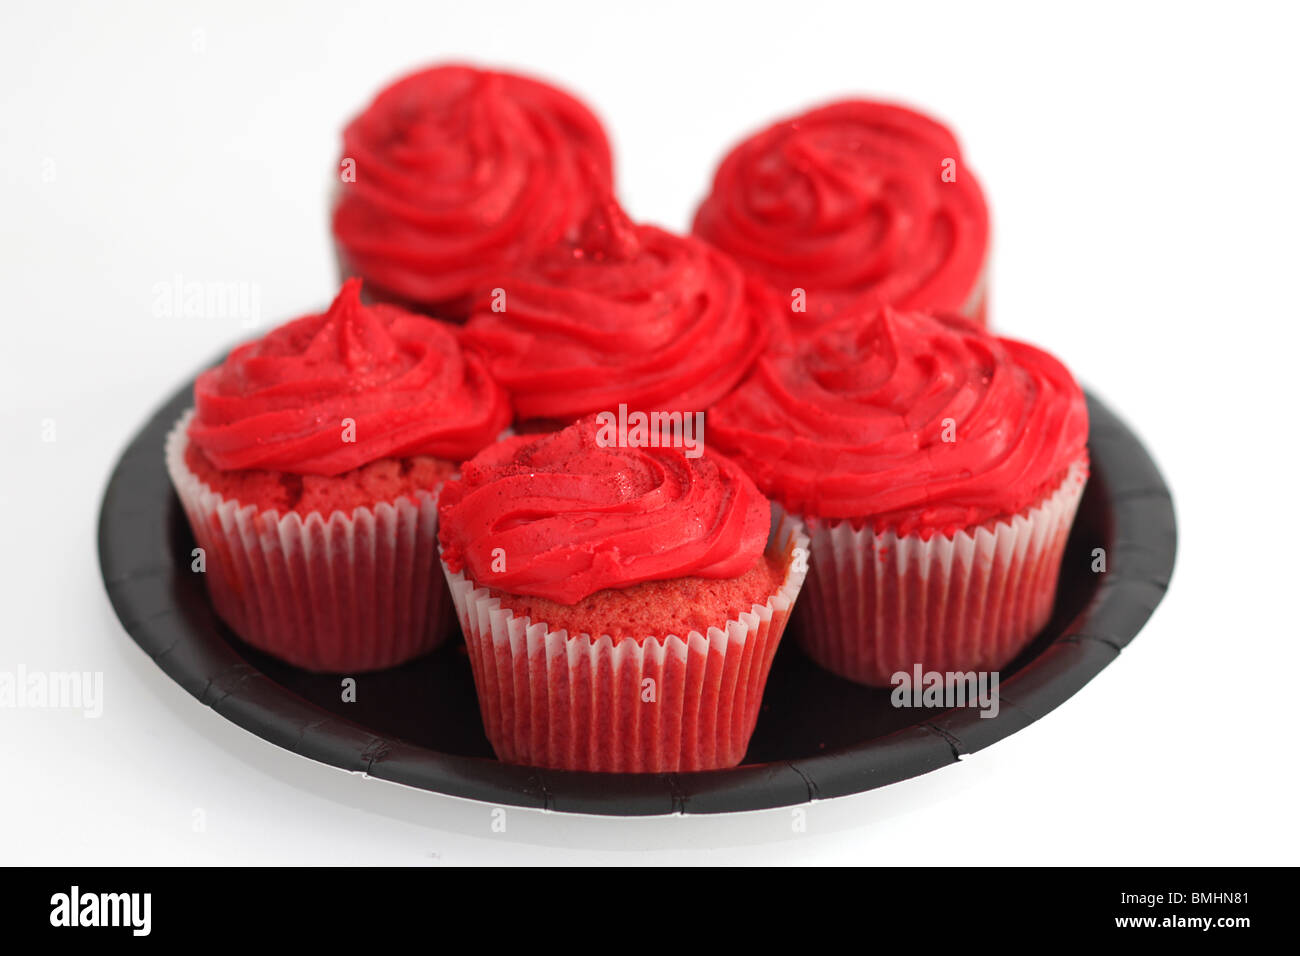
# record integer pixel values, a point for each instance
(1140, 165)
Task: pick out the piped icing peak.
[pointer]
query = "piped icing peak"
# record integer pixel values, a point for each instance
(459, 174)
(566, 515)
(856, 199)
(626, 313)
(906, 420)
(284, 402)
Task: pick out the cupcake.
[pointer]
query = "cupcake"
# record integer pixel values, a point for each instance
(853, 201)
(937, 468)
(624, 314)
(621, 605)
(309, 471)
(453, 175)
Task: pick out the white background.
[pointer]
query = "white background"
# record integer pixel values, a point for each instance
(1141, 169)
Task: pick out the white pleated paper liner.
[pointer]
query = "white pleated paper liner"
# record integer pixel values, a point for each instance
(334, 593)
(878, 604)
(636, 706)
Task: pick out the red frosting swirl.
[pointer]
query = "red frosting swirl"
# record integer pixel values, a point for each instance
(851, 200)
(908, 421)
(627, 313)
(461, 173)
(280, 403)
(572, 517)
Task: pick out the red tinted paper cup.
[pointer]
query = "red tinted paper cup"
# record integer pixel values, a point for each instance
(880, 604)
(654, 705)
(337, 593)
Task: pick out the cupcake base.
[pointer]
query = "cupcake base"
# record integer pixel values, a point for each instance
(654, 705)
(880, 604)
(340, 594)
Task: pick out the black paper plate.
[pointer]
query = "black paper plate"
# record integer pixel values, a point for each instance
(818, 736)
